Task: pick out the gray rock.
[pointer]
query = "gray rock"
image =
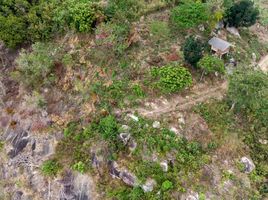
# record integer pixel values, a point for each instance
(17, 195)
(190, 196)
(248, 164)
(114, 169)
(149, 185)
(164, 165)
(128, 178)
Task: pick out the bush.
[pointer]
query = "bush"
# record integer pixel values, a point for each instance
(25, 20)
(108, 127)
(124, 11)
(166, 185)
(211, 64)
(193, 50)
(242, 14)
(249, 91)
(172, 78)
(80, 167)
(35, 67)
(50, 168)
(189, 15)
(77, 15)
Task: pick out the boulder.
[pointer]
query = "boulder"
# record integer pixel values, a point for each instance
(248, 164)
(124, 137)
(129, 178)
(149, 185)
(164, 165)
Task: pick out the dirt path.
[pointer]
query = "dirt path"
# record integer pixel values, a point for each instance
(263, 64)
(200, 93)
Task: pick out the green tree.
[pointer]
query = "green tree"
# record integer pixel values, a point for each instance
(248, 90)
(189, 15)
(193, 50)
(242, 14)
(211, 64)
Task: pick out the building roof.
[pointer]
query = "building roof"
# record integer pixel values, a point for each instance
(219, 44)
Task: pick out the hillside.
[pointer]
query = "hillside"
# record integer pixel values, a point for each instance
(133, 100)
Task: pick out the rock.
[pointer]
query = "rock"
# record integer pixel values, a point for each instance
(248, 165)
(135, 118)
(17, 195)
(124, 137)
(164, 165)
(233, 31)
(156, 124)
(149, 185)
(129, 178)
(190, 196)
(263, 141)
(114, 169)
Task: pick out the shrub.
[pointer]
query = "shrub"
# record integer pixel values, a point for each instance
(13, 30)
(242, 14)
(189, 15)
(166, 185)
(211, 64)
(50, 168)
(35, 67)
(80, 167)
(193, 50)
(78, 15)
(122, 11)
(108, 127)
(249, 91)
(172, 78)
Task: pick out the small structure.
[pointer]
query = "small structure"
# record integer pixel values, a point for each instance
(219, 46)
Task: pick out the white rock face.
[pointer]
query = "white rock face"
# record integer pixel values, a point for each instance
(249, 165)
(149, 185)
(156, 124)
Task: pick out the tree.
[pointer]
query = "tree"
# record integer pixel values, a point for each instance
(193, 50)
(248, 90)
(211, 64)
(189, 15)
(242, 14)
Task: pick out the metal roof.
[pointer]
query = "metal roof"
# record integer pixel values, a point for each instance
(219, 43)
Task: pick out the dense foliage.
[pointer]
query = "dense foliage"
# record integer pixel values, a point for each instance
(193, 50)
(249, 91)
(29, 21)
(172, 78)
(50, 168)
(211, 64)
(242, 14)
(189, 15)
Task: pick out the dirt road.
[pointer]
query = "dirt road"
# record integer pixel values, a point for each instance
(200, 93)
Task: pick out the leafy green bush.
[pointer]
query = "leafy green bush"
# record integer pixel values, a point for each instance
(108, 127)
(50, 168)
(78, 15)
(25, 20)
(193, 50)
(166, 185)
(242, 14)
(80, 167)
(249, 91)
(36, 67)
(189, 15)
(211, 64)
(172, 78)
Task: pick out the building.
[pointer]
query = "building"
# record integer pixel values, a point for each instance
(219, 46)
